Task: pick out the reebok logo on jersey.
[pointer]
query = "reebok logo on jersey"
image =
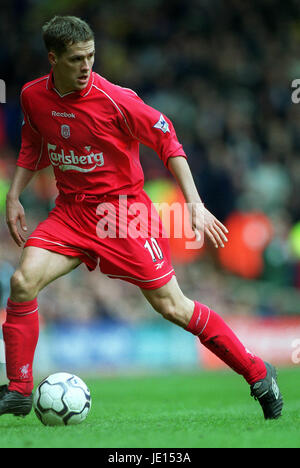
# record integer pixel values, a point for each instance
(159, 265)
(63, 114)
(162, 124)
(72, 162)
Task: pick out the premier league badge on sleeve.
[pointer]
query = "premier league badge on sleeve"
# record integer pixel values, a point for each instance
(65, 131)
(162, 124)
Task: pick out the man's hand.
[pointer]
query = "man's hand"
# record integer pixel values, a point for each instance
(15, 215)
(14, 210)
(204, 222)
(201, 219)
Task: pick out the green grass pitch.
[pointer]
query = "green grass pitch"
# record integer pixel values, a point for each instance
(207, 409)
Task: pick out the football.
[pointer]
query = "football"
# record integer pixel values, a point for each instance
(62, 399)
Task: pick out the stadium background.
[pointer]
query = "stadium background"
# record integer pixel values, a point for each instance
(222, 71)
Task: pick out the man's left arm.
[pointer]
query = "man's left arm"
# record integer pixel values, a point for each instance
(201, 219)
(153, 129)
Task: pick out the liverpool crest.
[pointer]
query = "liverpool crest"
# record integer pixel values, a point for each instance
(65, 131)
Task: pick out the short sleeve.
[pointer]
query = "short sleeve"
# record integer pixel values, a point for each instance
(149, 126)
(32, 154)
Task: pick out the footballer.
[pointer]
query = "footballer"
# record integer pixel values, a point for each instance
(89, 130)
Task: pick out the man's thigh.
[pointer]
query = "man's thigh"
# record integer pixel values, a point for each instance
(44, 266)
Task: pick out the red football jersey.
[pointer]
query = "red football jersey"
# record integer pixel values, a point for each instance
(91, 137)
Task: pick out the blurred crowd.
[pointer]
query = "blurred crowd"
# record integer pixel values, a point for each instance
(222, 71)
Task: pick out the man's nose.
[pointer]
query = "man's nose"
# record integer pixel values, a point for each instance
(85, 65)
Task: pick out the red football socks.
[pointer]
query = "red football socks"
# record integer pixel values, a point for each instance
(215, 335)
(20, 333)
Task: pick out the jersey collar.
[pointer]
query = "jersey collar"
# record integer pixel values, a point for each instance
(83, 92)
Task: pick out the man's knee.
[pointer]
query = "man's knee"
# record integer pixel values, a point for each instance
(23, 286)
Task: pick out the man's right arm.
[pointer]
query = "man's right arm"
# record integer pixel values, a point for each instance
(15, 213)
(32, 158)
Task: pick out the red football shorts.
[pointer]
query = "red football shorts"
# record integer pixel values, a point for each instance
(124, 234)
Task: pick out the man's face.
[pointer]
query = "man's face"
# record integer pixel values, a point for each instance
(72, 69)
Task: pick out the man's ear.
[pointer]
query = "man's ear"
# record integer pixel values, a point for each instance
(52, 58)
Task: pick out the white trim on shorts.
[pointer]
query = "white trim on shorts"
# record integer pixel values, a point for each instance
(64, 245)
(96, 261)
(140, 280)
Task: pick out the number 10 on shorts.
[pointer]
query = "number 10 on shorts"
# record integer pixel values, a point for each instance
(154, 249)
